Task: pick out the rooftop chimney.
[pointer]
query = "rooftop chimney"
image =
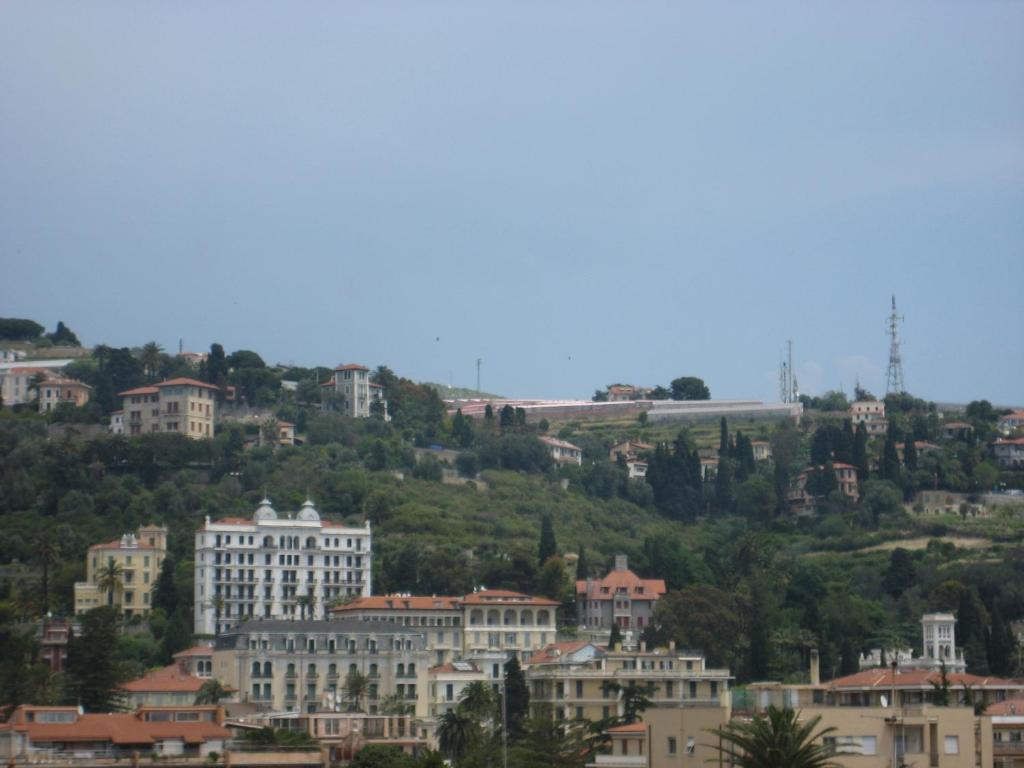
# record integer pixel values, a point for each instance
(621, 563)
(815, 667)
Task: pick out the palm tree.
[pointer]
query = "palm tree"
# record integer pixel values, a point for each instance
(307, 602)
(356, 687)
(109, 578)
(211, 692)
(456, 732)
(48, 551)
(217, 603)
(478, 700)
(776, 739)
(393, 704)
(150, 358)
(635, 698)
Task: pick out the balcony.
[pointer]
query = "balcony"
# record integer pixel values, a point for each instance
(291, 674)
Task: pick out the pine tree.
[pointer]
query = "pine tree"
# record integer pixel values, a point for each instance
(91, 671)
(547, 547)
(901, 574)
(860, 452)
(507, 417)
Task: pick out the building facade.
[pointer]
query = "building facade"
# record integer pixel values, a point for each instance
(302, 666)
(273, 567)
(440, 619)
(563, 452)
(130, 567)
(870, 413)
(17, 378)
(353, 394)
(183, 406)
(1009, 453)
(53, 392)
(621, 598)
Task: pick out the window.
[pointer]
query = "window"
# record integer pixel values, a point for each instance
(691, 745)
(672, 749)
(910, 740)
(952, 745)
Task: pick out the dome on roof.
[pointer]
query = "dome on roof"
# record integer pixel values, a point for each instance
(264, 511)
(308, 512)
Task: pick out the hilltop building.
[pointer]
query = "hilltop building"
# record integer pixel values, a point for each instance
(354, 394)
(620, 598)
(1011, 421)
(870, 413)
(802, 497)
(133, 561)
(183, 406)
(563, 452)
(276, 567)
(1009, 453)
(16, 378)
(53, 392)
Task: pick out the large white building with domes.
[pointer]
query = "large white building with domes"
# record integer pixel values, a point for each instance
(276, 566)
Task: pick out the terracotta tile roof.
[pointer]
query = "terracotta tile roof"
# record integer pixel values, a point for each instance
(398, 602)
(66, 383)
(1007, 707)
(167, 680)
(918, 678)
(116, 544)
(1017, 441)
(957, 425)
(139, 391)
(184, 381)
(652, 589)
(556, 443)
(352, 367)
(556, 651)
(505, 597)
(629, 728)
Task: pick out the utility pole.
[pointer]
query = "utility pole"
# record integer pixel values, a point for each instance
(894, 378)
(478, 361)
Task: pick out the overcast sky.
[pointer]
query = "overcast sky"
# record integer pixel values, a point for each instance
(577, 192)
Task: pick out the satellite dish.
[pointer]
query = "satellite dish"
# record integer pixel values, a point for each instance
(885, 701)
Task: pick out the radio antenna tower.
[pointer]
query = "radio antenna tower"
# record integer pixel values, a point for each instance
(789, 391)
(894, 379)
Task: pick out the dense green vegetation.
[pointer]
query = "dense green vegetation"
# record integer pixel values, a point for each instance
(749, 584)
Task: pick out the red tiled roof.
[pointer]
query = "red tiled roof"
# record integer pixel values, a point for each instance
(918, 678)
(167, 680)
(652, 588)
(505, 597)
(1017, 441)
(556, 443)
(395, 602)
(555, 651)
(139, 391)
(957, 425)
(352, 367)
(116, 544)
(1007, 707)
(629, 728)
(184, 381)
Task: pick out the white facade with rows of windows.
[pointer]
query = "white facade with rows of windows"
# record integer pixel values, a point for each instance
(280, 568)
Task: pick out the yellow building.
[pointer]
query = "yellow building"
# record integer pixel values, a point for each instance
(138, 557)
(580, 680)
(185, 406)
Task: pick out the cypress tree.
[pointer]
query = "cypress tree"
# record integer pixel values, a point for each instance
(1002, 645)
(723, 486)
(723, 440)
(860, 452)
(582, 566)
(165, 592)
(547, 547)
(890, 461)
(517, 704)
(901, 574)
(910, 455)
(178, 636)
(844, 445)
(614, 637)
(91, 671)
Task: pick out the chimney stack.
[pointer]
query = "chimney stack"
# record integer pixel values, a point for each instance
(621, 563)
(815, 667)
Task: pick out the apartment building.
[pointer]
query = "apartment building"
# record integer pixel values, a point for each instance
(17, 377)
(53, 392)
(447, 685)
(344, 734)
(183, 406)
(1002, 730)
(802, 498)
(870, 413)
(1009, 453)
(620, 598)
(440, 619)
(129, 565)
(577, 680)
(1010, 422)
(168, 686)
(276, 567)
(302, 666)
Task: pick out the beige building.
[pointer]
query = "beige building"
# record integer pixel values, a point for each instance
(17, 377)
(183, 406)
(440, 619)
(803, 502)
(353, 394)
(762, 449)
(138, 557)
(53, 392)
(870, 413)
(342, 735)
(1002, 726)
(447, 685)
(574, 680)
(620, 599)
(301, 666)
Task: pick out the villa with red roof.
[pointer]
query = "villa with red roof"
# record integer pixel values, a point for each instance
(621, 598)
(183, 406)
(138, 557)
(350, 392)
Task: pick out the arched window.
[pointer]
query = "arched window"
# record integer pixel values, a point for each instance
(352, 668)
(411, 671)
(542, 618)
(311, 670)
(311, 543)
(527, 618)
(493, 618)
(476, 616)
(255, 669)
(291, 670)
(401, 670)
(268, 541)
(373, 670)
(510, 617)
(332, 669)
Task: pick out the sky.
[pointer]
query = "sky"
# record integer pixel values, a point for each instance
(578, 193)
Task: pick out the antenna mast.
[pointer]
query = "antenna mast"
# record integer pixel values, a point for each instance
(789, 391)
(478, 361)
(894, 378)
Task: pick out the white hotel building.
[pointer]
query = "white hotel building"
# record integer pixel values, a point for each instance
(265, 567)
